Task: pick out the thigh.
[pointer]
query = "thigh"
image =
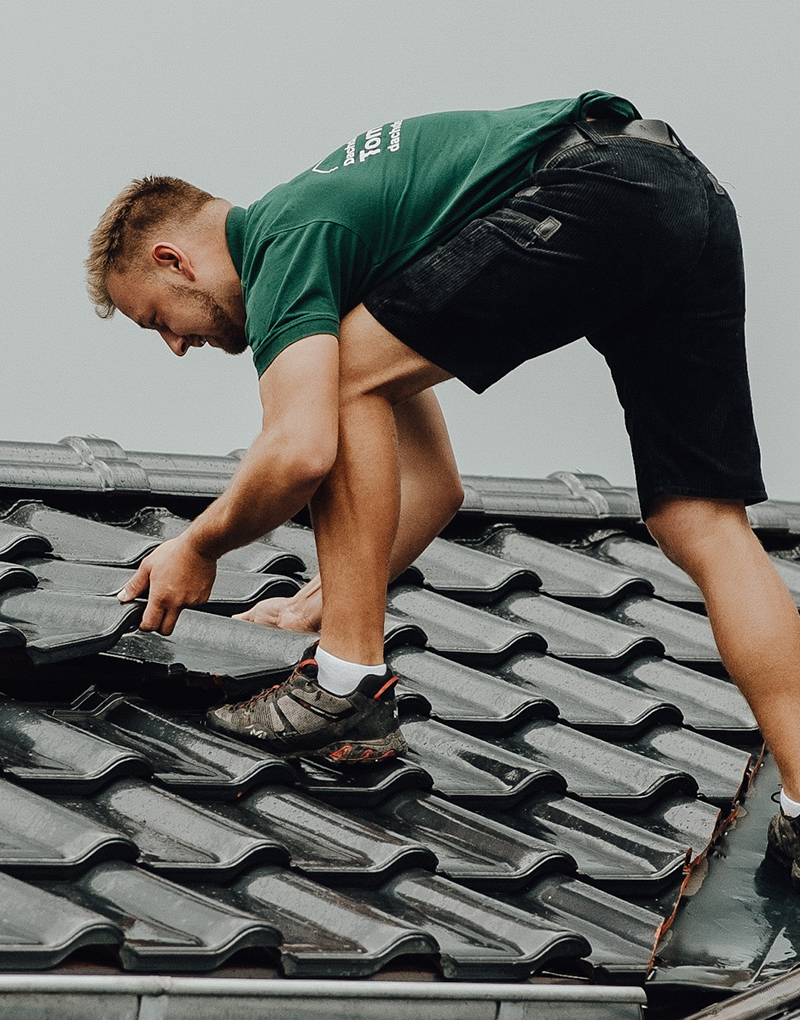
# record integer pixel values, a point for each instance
(680, 368)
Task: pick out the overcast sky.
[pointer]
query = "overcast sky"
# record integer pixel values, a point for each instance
(242, 95)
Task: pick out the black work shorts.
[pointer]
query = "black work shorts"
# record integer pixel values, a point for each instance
(634, 245)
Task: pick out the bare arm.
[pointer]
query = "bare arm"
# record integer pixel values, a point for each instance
(280, 472)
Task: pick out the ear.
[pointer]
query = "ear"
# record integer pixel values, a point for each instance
(169, 256)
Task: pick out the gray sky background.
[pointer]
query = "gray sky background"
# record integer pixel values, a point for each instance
(238, 96)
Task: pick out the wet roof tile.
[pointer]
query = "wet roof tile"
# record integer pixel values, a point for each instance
(41, 837)
(16, 542)
(469, 574)
(564, 573)
(53, 626)
(686, 636)
(38, 929)
(479, 937)
(668, 581)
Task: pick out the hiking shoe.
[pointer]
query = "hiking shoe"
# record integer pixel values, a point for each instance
(783, 844)
(298, 717)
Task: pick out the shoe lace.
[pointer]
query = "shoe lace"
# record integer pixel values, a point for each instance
(268, 690)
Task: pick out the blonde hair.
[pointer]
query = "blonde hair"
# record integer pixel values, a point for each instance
(124, 227)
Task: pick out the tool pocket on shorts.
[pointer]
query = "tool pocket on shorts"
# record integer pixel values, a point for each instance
(520, 229)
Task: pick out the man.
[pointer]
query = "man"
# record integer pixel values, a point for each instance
(459, 244)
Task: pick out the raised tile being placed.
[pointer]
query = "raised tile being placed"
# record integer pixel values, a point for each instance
(76, 538)
(16, 542)
(621, 856)
(585, 700)
(466, 697)
(601, 773)
(580, 637)
(324, 932)
(234, 591)
(564, 573)
(326, 842)
(50, 755)
(176, 838)
(669, 581)
(686, 636)
(481, 852)
(54, 626)
(183, 757)
(474, 772)
(41, 837)
(471, 575)
(461, 632)
(217, 646)
(39, 929)
(166, 926)
(480, 938)
(708, 704)
(160, 524)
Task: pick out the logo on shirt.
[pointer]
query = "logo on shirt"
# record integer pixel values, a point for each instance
(375, 141)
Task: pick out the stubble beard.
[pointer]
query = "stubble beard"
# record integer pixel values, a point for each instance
(227, 335)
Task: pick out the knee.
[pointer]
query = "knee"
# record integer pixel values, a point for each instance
(690, 530)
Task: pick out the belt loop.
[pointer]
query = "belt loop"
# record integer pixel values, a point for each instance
(588, 132)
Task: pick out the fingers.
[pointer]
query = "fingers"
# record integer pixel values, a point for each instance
(137, 584)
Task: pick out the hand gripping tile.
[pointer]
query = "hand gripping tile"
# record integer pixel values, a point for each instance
(184, 757)
(52, 756)
(39, 929)
(166, 926)
(480, 938)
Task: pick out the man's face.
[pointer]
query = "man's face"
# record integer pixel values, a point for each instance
(185, 314)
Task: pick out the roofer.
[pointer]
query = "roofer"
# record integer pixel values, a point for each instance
(458, 244)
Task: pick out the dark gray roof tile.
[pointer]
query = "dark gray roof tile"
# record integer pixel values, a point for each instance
(565, 573)
(720, 770)
(469, 574)
(183, 757)
(176, 838)
(185, 474)
(474, 772)
(479, 938)
(166, 926)
(587, 701)
(76, 538)
(483, 853)
(362, 787)
(16, 542)
(461, 632)
(52, 756)
(580, 637)
(41, 837)
(38, 929)
(668, 581)
(596, 771)
(685, 635)
(621, 856)
(465, 697)
(622, 935)
(708, 704)
(16, 575)
(52, 626)
(685, 820)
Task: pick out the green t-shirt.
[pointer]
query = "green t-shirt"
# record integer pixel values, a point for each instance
(313, 248)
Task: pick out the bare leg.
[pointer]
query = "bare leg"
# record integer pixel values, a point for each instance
(755, 622)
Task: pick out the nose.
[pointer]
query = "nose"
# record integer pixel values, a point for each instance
(177, 344)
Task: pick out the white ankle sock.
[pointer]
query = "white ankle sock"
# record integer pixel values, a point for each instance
(341, 677)
(788, 806)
